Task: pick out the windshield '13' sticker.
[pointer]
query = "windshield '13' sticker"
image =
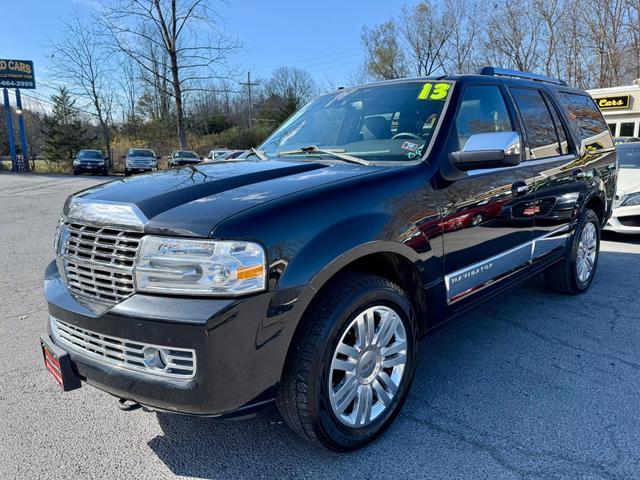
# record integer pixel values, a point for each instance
(434, 91)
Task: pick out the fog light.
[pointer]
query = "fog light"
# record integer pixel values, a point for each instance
(154, 358)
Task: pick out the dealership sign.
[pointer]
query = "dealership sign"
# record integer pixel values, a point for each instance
(17, 74)
(619, 101)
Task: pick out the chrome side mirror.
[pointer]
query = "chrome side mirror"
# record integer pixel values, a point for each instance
(488, 150)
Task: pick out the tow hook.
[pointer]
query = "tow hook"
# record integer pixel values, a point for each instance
(128, 405)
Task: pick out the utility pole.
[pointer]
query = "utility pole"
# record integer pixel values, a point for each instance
(248, 84)
(23, 133)
(12, 143)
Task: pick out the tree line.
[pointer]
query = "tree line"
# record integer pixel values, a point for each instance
(159, 73)
(589, 43)
(156, 73)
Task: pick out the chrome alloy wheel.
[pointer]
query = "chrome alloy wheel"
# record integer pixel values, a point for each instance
(586, 255)
(367, 366)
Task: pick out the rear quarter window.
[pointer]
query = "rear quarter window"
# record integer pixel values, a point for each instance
(585, 118)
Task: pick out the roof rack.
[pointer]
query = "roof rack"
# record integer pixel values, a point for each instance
(505, 72)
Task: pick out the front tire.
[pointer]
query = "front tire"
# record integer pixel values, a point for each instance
(574, 274)
(350, 367)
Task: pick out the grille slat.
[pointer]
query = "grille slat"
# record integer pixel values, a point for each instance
(180, 363)
(98, 261)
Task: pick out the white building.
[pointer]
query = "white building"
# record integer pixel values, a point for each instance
(621, 108)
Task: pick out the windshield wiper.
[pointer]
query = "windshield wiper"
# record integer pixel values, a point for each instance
(258, 153)
(334, 152)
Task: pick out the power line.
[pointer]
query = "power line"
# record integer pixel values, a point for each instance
(301, 62)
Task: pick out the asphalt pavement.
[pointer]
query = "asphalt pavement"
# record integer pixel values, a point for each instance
(531, 385)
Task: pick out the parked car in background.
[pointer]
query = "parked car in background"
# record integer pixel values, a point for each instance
(231, 155)
(626, 209)
(140, 160)
(619, 140)
(214, 154)
(90, 161)
(184, 157)
(306, 279)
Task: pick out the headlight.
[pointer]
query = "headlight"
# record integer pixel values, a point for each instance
(199, 267)
(631, 200)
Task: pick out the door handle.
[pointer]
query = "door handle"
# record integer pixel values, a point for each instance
(578, 174)
(519, 188)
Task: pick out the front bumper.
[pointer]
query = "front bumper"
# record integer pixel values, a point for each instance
(624, 220)
(239, 353)
(137, 168)
(90, 167)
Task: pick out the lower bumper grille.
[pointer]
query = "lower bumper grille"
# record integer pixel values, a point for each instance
(152, 359)
(630, 221)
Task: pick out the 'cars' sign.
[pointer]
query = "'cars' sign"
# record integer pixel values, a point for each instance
(619, 101)
(17, 74)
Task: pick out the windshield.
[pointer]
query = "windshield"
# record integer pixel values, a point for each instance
(628, 155)
(93, 154)
(141, 153)
(184, 154)
(387, 122)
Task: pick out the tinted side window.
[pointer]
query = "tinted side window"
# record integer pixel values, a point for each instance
(538, 124)
(584, 115)
(482, 109)
(560, 130)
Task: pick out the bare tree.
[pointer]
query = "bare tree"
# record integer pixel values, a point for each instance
(550, 14)
(386, 59)
(513, 35)
(607, 38)
(288, 89)
(633, 27)
(465, 29)
(185, 30)
(82, 61)
(426, 31)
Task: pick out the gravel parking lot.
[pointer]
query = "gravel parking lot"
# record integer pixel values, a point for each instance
(532, 385)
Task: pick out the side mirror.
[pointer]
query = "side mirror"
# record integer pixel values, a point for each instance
(488, 150)
(158, 157)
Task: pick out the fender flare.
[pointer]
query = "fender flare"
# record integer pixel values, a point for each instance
(306, 294)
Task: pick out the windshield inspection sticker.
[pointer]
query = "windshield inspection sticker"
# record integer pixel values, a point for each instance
(434, 91)
(410, 146)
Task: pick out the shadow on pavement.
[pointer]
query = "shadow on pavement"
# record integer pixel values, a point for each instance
(531, 384)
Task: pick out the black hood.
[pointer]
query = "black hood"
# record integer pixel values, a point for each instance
(192, 200)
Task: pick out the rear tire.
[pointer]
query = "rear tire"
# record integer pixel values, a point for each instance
(574, 274)
(341, 328)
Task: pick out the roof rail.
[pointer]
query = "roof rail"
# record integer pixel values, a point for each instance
(505, 72)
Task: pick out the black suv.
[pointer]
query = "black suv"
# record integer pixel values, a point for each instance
(306, 274)
(92, 161)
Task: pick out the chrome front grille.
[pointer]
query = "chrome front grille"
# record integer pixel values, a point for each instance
(98, 261)
(174, 362)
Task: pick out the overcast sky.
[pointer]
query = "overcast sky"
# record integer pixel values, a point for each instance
(321, 36)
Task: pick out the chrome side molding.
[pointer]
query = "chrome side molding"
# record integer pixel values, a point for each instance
(468, 280)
